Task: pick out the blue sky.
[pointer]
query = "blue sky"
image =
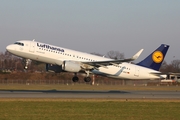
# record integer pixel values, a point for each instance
(94, 25)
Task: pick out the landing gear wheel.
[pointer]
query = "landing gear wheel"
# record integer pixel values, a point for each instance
(25, 67)
(75, 79)
(26, 64)
(87, 79)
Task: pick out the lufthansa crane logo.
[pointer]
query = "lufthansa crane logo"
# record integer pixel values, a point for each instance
(157, 56)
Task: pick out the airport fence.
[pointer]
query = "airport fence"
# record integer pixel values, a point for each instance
(97, 82)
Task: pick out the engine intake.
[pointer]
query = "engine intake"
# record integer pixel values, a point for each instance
(71, 66)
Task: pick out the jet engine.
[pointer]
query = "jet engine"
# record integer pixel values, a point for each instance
(71, 66)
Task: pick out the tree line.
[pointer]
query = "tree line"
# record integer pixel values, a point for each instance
(14, 63)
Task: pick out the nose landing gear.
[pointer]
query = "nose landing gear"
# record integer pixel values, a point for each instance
(26, 63)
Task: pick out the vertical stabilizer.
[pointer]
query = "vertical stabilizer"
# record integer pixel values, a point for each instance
(155, 59)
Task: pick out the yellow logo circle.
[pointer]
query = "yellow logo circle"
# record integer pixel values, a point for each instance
(157, 56)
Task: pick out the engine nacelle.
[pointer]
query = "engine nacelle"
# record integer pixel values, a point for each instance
(53, 68)
(71, 66)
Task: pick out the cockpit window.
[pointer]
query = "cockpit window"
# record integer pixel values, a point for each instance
(19, 43)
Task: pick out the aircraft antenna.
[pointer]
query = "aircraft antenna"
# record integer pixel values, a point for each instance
(33, 40)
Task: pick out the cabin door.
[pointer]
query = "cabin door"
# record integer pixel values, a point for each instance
(137, 70)
(32, 46)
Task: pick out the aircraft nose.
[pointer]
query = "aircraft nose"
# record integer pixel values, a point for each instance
(9, 48)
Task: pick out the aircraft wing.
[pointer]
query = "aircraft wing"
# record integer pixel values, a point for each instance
(165, 73)
(96, 64)
(159, 74)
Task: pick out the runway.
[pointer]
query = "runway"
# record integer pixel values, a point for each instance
(89, 94)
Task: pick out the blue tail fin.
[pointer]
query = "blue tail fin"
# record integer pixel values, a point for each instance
(155, 59)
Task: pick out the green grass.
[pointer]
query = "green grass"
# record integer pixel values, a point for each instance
(88, 109)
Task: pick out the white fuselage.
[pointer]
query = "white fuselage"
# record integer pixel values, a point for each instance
(56, 55)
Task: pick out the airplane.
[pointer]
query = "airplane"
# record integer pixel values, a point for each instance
(59, 59)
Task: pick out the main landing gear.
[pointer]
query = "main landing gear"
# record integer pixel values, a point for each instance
(86, 79)
(75, 78)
